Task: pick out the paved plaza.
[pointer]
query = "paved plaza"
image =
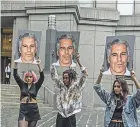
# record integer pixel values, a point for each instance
(10, 110)
(48, 117)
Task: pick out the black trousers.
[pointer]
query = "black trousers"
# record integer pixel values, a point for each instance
(65, 122)
(116, 124)
(7, 80)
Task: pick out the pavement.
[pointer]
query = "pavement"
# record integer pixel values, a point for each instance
(85, 118)
(10, 110)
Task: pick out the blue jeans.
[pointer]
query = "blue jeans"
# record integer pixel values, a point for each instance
(116, 124)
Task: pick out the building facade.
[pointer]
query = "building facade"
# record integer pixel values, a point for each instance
(94, 22)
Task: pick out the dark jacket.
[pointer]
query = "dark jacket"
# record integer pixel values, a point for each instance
(129, 114)
(33, 90)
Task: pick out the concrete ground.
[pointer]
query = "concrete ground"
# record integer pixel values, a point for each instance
(10, 110)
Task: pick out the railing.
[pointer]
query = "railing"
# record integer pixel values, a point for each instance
(47, 95)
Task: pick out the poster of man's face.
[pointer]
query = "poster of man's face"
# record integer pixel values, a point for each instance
(66, 46)
(27, 47)
(118, 58)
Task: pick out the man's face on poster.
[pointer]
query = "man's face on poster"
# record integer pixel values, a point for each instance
(28, 50)
(118, 59)
(65, 52)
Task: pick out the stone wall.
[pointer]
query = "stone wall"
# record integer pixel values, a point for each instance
(94, 25)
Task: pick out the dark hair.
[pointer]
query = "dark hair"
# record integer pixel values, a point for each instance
(64, 36)
(124, 87)
(117, 41)
(21, 37)
(72, 74)
(33, 75)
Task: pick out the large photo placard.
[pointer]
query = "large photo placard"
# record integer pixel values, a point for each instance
(66, 46)
(27, 46)
(118, 58)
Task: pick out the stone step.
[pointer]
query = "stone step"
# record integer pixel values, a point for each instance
(7, 92)
(8, 86)
(16, 98)
(14, 104)
(11, 90)
(10, 94)
(10, 111)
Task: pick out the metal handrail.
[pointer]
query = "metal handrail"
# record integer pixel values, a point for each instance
(45, 87)
(45, 91)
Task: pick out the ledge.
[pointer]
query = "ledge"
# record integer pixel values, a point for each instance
(88, 14)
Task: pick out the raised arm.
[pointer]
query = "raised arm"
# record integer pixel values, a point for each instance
(136, 96)
(133, 76)
(16, 76)
(39, 67)
(81, 82)
(99, 77)
(55, 77)
(101, 92)
(41, 78)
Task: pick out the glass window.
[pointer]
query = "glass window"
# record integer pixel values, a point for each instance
(125, 7)
(86, 3)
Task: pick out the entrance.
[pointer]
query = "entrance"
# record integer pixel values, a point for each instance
(4, 62)
(6, 50)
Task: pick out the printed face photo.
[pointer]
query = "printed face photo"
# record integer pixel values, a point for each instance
(118, 57)
(65, 52)
(27, 47)
(65, 48)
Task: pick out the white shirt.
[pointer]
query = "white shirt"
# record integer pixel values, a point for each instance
(58, 64)
(20, 61)
(108, 72)
(69, 100)
(7, 69)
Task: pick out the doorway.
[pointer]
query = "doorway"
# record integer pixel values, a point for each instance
(6, 50)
